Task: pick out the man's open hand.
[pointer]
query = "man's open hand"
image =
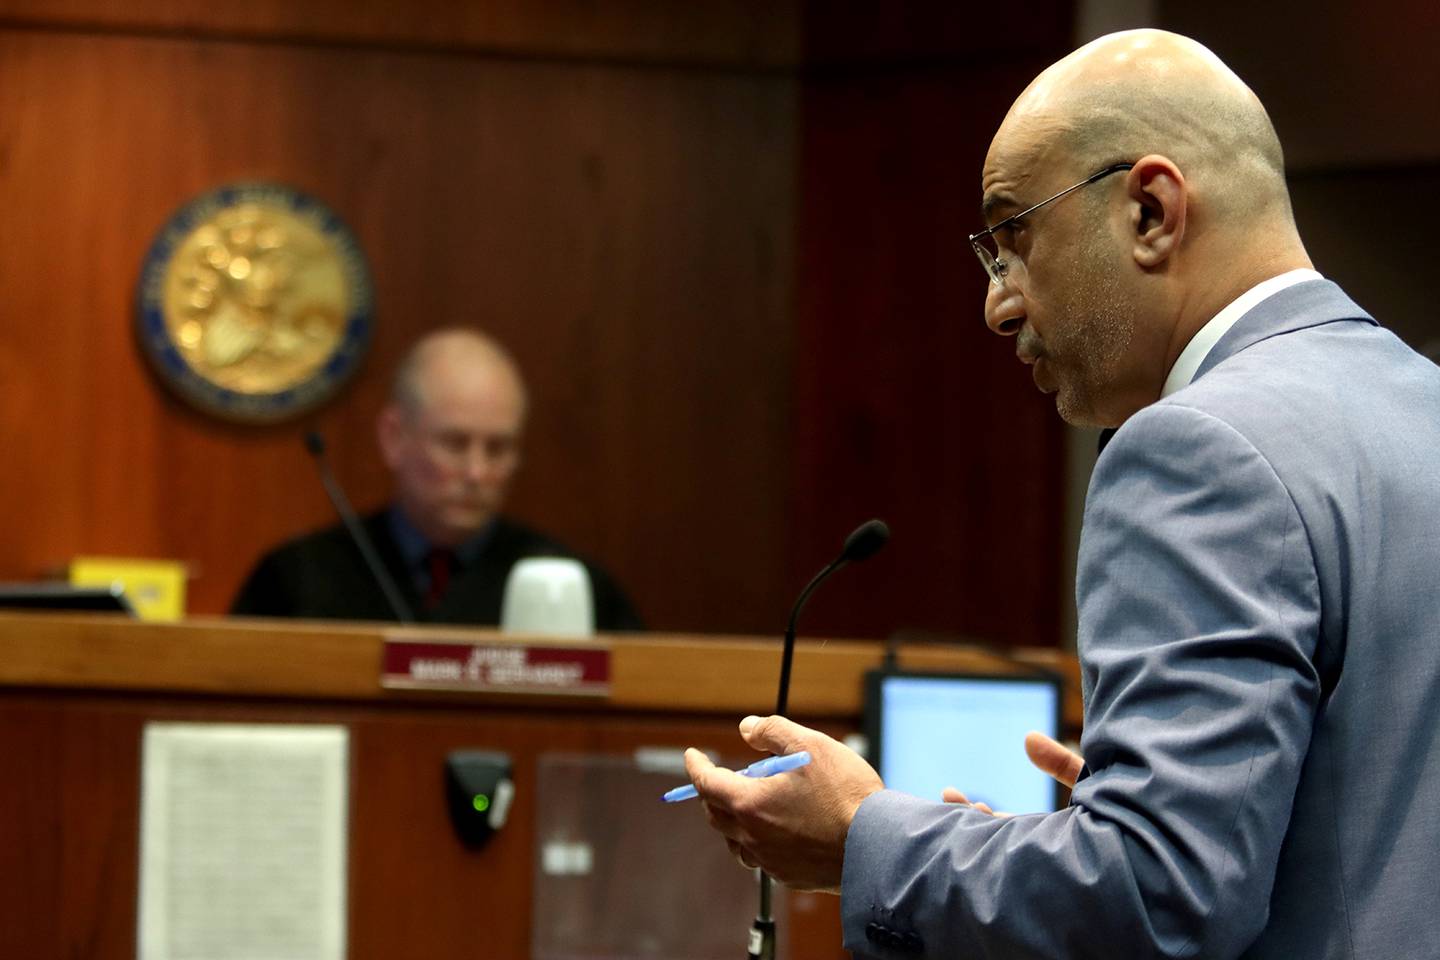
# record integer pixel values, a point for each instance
(792, 825)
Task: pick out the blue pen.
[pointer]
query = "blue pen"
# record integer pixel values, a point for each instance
(760, 768)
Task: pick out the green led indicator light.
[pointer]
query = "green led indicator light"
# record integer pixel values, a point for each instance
(481, 803)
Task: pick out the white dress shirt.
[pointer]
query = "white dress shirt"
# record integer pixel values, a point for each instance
(1207, 336)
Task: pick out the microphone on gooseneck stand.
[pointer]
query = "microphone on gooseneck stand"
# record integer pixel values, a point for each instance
(316, 445)
(862, 544)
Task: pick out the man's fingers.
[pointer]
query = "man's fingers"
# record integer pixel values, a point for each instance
(951, 795)
(741, 854)
(1053, 758)
(721, 820)
(774, 734)
(708, 778)
(696, 763)
(719, 788)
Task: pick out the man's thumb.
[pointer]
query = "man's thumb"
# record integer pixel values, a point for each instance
(1054, 758)
(774, 734)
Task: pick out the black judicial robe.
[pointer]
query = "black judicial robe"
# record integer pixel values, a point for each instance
(323, 576)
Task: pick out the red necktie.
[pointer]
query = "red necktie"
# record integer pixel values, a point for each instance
(441, 564)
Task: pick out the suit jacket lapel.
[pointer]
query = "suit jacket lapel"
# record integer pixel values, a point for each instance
(1307, 304)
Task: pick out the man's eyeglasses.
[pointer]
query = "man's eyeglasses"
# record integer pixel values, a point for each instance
(984, 242)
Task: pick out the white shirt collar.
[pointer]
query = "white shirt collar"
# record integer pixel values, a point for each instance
(1207, 336)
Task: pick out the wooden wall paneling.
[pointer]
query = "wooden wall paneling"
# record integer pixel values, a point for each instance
(1344, 90)
(630, 230)
(99, 808)
(76, 692)
(627, 232)
(907, 408)
(650, 673)
(920, 35)
(1337, 216)
(413, 888)
(65, 365)
(70, 810)
(742, 33)
(669, 387)
(493, 888)
(33, 877)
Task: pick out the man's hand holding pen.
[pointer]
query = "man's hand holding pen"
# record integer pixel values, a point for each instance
(793, 826)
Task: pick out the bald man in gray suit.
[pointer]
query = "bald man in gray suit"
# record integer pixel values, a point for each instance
(1259, 573)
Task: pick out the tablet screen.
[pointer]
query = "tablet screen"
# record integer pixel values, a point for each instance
(930, 731)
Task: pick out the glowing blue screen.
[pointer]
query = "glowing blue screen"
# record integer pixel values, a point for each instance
(967, 733)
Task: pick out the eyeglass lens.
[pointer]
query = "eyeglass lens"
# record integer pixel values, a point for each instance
(989, 253)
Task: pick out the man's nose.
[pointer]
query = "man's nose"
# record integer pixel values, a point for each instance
(1004, 308)
(479, 463)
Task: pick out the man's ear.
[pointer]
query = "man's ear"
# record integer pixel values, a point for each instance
(1157, 214)
(390, 434)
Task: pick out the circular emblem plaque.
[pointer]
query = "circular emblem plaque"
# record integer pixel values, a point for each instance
(255, 303)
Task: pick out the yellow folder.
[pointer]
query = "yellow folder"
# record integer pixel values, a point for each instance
(156, 588)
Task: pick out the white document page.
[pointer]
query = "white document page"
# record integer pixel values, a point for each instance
(243, 842)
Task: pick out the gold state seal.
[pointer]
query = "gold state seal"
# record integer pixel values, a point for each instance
(255, 303)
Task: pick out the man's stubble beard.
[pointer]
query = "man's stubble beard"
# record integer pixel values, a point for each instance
(1098, 324)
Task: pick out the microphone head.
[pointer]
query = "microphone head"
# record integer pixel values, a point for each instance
(865, 542)
(315, 443)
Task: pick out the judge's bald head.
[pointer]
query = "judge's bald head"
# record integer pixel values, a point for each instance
(1104, 290)
(451, 433)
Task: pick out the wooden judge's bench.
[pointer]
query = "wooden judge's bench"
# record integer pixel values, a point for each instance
(77, 693)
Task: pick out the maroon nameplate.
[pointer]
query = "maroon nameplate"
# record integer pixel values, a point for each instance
(429, 664)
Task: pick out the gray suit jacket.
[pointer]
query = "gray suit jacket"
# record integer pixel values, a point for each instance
(1259, 590)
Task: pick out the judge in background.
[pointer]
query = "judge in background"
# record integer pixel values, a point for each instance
(451, 438)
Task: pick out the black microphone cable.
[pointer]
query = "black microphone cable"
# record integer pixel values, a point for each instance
(316, 445)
